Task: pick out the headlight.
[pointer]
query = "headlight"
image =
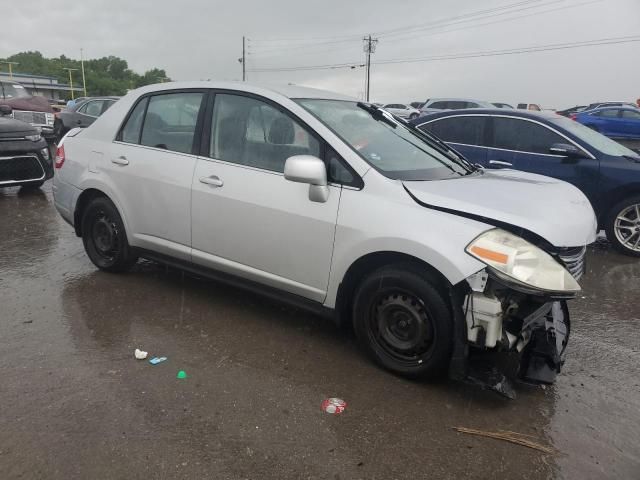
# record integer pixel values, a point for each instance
(34, 138)
(45, 153)
(521, 261)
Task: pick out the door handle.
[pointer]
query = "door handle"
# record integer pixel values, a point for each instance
(213, 180)
(122, 160)
(500, 163)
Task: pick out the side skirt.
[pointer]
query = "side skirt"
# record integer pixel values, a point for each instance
(242, 283)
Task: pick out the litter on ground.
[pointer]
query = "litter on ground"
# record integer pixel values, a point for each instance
(156, 360)
(139, 354)
(334, 405)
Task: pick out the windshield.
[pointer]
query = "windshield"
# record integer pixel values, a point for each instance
(386, 144)
(594, 139)
(13, 90)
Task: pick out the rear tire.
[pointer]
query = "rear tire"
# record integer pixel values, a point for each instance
(402, 321)
(623, 226)
(104, 237)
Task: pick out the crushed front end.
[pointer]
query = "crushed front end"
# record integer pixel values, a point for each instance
(517, 304)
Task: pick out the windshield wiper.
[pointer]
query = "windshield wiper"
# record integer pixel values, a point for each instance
(377, 113)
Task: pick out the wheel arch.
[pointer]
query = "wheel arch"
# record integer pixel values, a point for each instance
(614, 197)
(83, 201)
(372, 261)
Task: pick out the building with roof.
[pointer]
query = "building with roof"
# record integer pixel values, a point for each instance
(47, 87)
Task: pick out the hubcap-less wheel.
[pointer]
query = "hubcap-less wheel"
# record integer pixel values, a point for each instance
(401, 326)
(104, 235)
(627, 227)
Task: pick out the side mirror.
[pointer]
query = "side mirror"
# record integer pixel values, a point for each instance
(5, 110)
(567, 150)
(311, 170)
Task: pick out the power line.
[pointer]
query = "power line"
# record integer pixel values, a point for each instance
(456, 56)
(501, 20)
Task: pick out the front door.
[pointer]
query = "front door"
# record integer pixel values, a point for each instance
(151, 165)
(247, 219)
(525, 145)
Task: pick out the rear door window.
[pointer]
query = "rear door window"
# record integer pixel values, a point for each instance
(93, 108)
(464, 130)
(439, 105)
(609, 113)
(523, 136)
(170, 121)
(630, 114)
(130, 133)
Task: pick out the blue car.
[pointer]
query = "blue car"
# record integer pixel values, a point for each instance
(548, 144)
(614, 122)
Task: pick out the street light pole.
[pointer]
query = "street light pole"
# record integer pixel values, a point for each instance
(71, 80)
(84, 82)
(11, 64)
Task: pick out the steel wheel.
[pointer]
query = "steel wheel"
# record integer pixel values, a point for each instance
(104, 235)
(401, 319)
(400, 325)
(627, 227)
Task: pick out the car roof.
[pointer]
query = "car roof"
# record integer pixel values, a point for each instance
(495, 112)
(289, 91)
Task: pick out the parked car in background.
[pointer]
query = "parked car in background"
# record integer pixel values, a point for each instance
(529, 106)
(82, 114)
(595, 105)
(266, 188)
(33, 110)
(614, 122)
(434, 105)
(24, 154)
(417, 105)
(548, 144)
(567, 112)
(502, 105)
(402, 110)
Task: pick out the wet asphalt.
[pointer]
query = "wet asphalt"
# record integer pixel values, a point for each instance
(75, 404)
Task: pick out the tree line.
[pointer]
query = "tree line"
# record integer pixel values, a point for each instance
(104, 76)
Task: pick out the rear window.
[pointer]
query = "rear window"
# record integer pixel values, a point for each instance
(170, 121)
(462, 129)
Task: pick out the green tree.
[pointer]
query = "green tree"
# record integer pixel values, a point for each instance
(105, 76)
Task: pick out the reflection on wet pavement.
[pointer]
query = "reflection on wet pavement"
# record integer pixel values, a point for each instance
(76, 404)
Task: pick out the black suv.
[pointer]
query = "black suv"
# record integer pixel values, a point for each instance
(24, 154)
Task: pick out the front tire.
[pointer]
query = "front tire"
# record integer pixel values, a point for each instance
(402, 321)
(623, 226)
(104, 237)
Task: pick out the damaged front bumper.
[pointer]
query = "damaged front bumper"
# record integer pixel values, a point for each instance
(493, 314)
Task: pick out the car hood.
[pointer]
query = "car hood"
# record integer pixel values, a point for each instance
(30, 104)
(9, 127)
(552, 209)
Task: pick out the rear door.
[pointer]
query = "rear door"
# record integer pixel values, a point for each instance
(525, 145)
(247, 219)
(88, 113)
(464, 133)
(151, 164)
(630, 125)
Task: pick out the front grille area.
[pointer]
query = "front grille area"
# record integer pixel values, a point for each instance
(20, 169)
(574, 260)
(34, 118)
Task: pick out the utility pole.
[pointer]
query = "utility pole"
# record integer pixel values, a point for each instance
(369, 48)
(11, 64)
(71, 79)
(244, 62)
(84, 82)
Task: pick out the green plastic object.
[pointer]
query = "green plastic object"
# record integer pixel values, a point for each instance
(182, 374)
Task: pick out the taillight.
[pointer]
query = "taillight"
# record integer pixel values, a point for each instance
(59, 157)
(573, 116)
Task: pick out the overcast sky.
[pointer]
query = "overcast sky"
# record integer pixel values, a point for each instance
(202, 39)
